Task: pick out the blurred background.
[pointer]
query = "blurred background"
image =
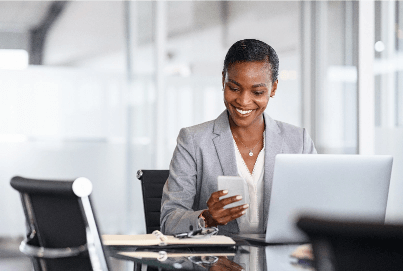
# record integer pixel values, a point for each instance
(101, 88)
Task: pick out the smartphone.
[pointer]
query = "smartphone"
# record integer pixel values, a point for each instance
(235, 187)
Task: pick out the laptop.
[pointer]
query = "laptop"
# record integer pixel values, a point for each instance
(344, 187)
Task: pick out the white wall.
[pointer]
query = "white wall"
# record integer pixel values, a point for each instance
(63, 124)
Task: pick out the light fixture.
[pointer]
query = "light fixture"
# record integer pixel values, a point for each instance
(379, 46)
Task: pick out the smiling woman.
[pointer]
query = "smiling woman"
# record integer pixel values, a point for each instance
(242, 141)
(247, 88)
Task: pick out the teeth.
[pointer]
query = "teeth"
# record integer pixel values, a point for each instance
(243, 112)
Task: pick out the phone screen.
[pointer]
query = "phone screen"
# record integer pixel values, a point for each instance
(235, 186)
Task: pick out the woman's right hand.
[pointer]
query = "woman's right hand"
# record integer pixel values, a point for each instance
(217, 215)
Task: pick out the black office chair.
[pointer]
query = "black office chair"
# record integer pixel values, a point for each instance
(348, 246)
(152, 183)
(62, 232)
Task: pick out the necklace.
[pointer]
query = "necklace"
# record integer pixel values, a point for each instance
(250, 150)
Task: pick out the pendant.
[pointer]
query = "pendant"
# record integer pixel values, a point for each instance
(250, 153)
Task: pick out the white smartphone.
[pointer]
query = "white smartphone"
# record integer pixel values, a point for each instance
(235, 187)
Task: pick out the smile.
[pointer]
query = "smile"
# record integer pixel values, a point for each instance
(243, 112)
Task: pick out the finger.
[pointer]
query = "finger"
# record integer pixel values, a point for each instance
(230, 211)
(217, 210)
(227, 201)
(236, 213)
(238, 208)
(215, 196)
(223, 220)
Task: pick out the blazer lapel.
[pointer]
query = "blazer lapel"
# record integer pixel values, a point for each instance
(224, 145)
(274, 142)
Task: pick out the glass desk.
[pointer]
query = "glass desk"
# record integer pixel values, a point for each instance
(245, 257)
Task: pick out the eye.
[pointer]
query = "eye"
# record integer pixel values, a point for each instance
(233, 88)
(258, 93)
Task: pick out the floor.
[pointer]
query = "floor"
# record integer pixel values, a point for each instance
(11, 259)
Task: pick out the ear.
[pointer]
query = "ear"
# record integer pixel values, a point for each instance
(273, 89)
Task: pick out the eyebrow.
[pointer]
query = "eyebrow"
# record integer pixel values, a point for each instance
(259, 85)
(254, 86)
(234, 82)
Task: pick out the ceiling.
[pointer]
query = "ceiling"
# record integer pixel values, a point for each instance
(92, 30)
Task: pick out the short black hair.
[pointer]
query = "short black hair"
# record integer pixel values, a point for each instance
(249, 50)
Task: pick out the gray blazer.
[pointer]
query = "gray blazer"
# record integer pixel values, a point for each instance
(206, 151)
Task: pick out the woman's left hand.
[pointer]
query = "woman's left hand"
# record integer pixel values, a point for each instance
(216, 214)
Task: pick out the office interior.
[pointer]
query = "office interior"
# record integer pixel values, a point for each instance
(100, 89)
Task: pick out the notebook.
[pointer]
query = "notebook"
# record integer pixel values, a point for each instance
(349, 187)
(158, 239)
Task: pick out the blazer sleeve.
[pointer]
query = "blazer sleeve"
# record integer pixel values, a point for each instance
(309, 146)
(179, 191)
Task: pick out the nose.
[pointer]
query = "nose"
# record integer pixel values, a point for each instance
(244, 98)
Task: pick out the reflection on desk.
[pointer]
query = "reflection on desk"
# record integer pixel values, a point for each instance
(278, 257)
(163, 255)
(248, 258)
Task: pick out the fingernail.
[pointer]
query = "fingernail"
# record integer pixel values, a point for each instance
(238, 197)
(225, 191)
(246, 206)
(243, 212)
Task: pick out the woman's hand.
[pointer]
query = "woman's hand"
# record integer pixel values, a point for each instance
(217, 215)
(224, 264)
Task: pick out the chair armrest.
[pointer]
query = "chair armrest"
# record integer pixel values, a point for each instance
(42, 252)
(139, 174)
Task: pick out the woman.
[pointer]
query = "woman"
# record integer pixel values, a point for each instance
(242, 141)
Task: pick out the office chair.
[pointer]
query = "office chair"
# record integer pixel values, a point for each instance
(62, 232)
(348, 246)
(152, 183)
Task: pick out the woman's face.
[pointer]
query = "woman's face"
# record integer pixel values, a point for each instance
(247, 90)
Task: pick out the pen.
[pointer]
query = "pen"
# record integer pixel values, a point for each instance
(188, 234)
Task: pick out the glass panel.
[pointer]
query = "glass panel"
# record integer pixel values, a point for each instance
(66, 118)
(388, 53)
(399, 73)
(336, 117)
(389, 97)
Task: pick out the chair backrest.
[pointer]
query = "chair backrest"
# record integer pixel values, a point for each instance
(348, 246)
(62, 232)
(152, 183)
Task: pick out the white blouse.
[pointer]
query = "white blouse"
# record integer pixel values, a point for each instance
(252, 220)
